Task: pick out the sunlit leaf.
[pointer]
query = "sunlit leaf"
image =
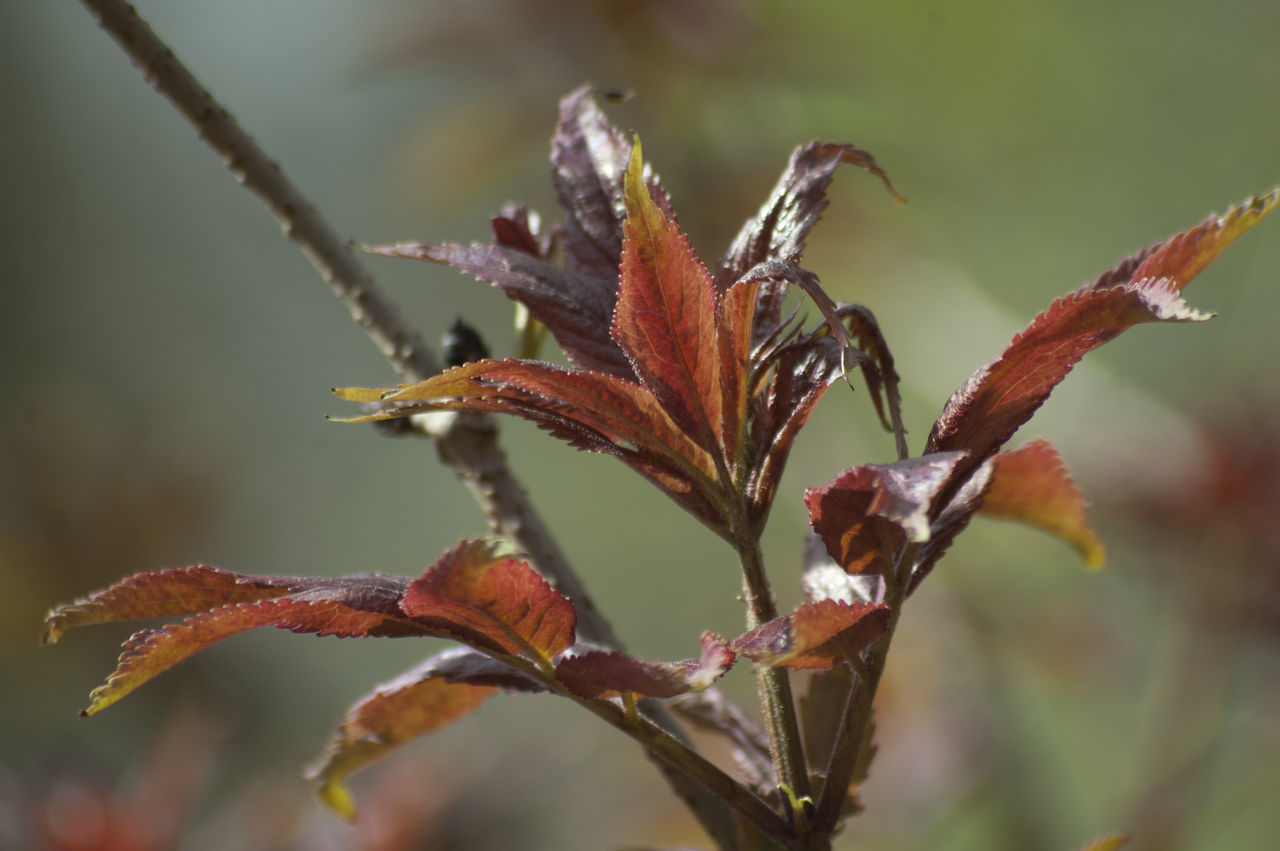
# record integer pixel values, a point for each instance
(181, 591)
(988, 408)
(493, 602)
(1032, 485)
(1180, 258)
(432, 695)
(816, 635)
(867, 513)
(665, 319)
(601, 674)
(365, 605)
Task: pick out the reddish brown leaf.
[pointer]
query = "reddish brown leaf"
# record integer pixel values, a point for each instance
(816, 635)
(591, 410)
(1001, 396)
(665, 319)
(1182, 257)
(165, 593)
(496, 603)
(867, 513)
(417, 702)
(1031, 485)
(365, 605)
(602, 674)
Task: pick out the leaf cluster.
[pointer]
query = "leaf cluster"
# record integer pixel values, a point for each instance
(699, 379)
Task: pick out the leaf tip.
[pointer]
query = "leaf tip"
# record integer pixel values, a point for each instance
(337, 798)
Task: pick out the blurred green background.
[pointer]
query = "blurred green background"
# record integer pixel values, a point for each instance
(168, 355)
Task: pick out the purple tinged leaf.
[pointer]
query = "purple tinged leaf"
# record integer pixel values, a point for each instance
(779, 230)
(867, 513)
(601, 674)
(577, 316)
(816, 635)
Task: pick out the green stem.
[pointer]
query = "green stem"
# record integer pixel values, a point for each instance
(774, 684)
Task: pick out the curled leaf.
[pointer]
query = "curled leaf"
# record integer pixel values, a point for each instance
(1031, 485)
(600, 674)
(433, 695)
(865, 514)
(816, 635)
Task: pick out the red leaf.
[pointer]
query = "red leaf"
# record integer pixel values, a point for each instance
(985, 412)
(181, 591)
(365, 605)
(865, 514)
(601, 674)
(665, 319)
(1031, 485)
(417, 702)
(816, 635)
(496, 603)
(1182, 257)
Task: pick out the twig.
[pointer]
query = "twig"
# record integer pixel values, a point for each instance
(470, 448)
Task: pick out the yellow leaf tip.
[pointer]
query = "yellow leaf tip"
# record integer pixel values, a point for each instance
(337, 798)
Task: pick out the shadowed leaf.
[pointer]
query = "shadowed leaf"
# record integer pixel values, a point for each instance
(779, 230)
(1001, 396)
(1031, 485)
(816, 635)
(577, 316)
(712, 712)
(433, 695)
(867, 513)
(496, 603)
(601, 674)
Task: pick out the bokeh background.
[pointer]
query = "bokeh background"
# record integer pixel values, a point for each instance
(167, 357)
